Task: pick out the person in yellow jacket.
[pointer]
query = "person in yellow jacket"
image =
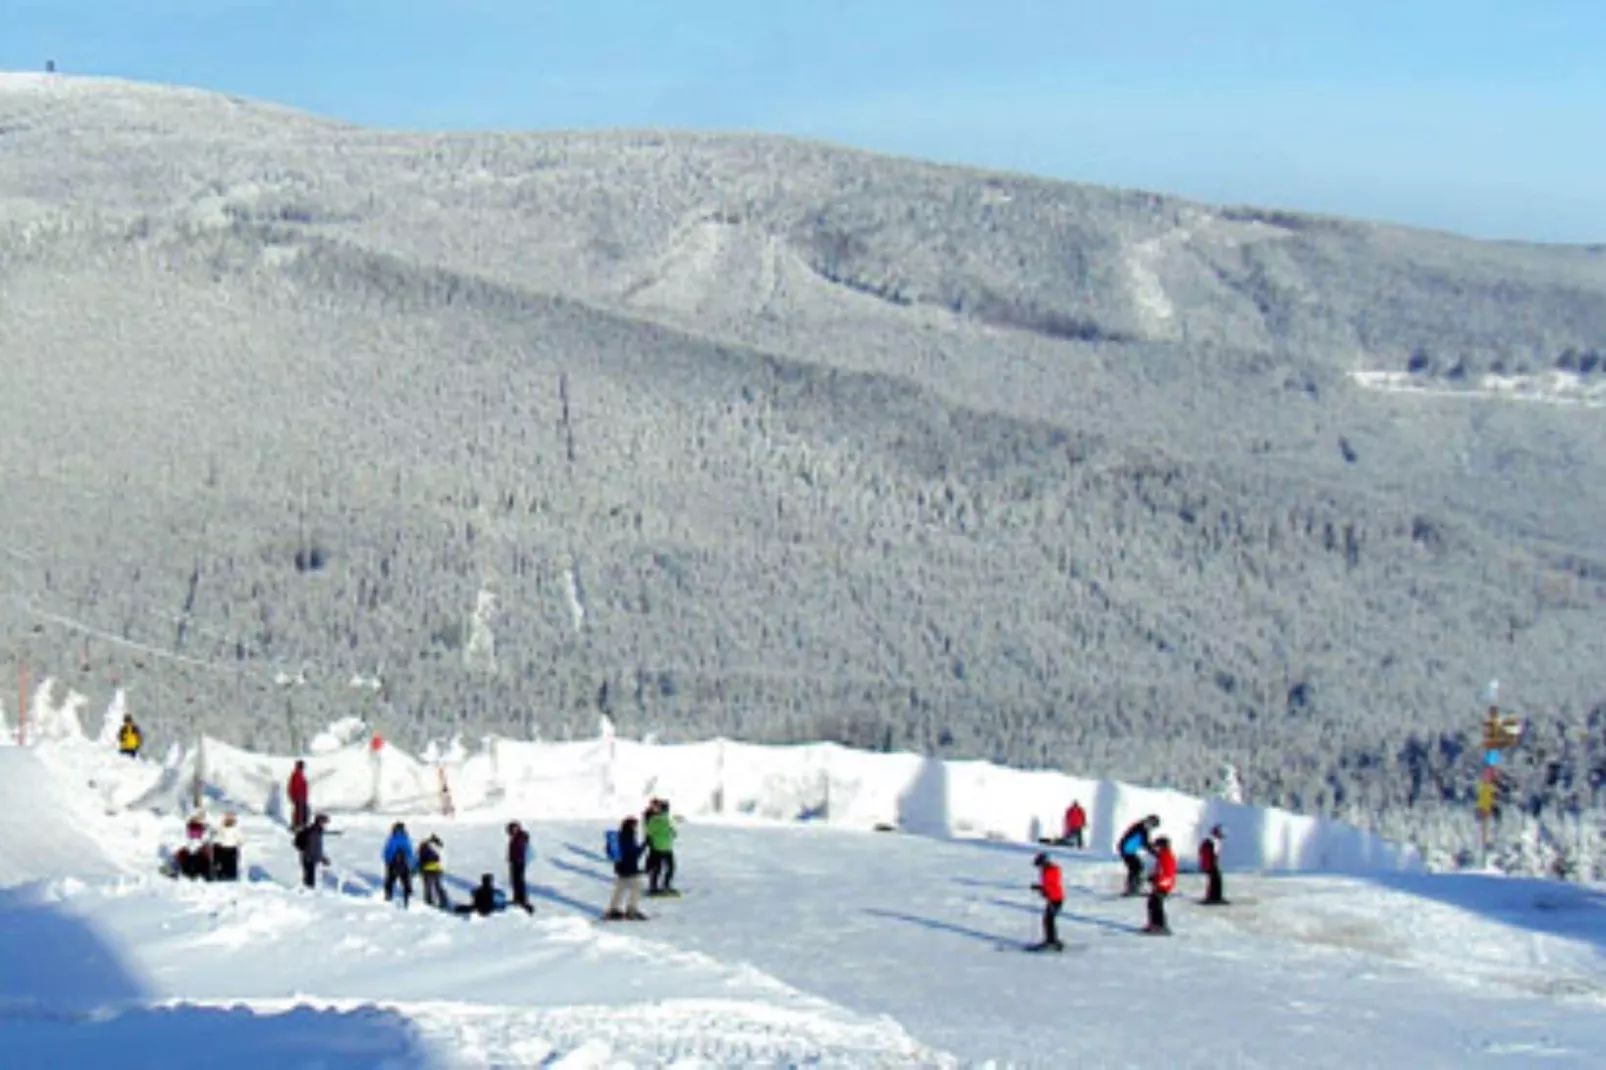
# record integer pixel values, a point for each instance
(128, 738)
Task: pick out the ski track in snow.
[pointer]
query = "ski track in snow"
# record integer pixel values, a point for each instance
(795, 944)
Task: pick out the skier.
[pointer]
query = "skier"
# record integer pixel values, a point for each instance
(432, 867)
(661, 835)
(1052, 888)
(309, 843)
(129, 738)
(626, 853)
(399, 863)
(518, 857)
(483, 901)
(1075, 824)
(226, 849)
(301, 812)
(1210, 866)
(1133, 840)
(1161, 883)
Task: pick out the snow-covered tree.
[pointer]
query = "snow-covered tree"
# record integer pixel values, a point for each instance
(1231, 787)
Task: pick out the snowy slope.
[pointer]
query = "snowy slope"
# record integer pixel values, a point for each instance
(795, 943)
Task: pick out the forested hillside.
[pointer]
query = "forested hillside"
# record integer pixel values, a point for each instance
(788, 442)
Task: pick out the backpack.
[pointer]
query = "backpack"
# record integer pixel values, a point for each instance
(611, 842)
(301, 839)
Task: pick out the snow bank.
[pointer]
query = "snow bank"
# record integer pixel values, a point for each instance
(607, 777)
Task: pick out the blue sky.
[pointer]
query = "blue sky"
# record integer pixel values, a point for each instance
(1474, 115)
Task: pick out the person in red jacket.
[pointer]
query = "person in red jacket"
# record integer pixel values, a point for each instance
(1162, 882)
(1075, 824)
(1210, 866)
(1051, 887)
(300, 811)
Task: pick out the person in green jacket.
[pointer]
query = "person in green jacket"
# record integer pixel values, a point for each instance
(661, 838)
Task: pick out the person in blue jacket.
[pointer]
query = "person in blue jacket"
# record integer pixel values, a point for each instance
(400, 861)
(1132, 842)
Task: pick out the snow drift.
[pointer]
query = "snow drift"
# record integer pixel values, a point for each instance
(608, 777)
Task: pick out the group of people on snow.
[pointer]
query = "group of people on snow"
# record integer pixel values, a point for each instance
(1138, 839)
(211, 854)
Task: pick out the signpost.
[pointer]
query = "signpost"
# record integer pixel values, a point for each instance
(1501, 733)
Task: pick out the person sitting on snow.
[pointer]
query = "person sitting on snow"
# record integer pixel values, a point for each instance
(485, 901)
(194, 859)
(129, 738)
(226, 849)
(1210, 866)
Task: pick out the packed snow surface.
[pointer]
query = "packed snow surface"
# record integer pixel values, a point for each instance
(796, 943)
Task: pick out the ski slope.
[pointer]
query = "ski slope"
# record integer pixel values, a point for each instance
(796, 943)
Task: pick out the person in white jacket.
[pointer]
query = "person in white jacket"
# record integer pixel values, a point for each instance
(226, 843)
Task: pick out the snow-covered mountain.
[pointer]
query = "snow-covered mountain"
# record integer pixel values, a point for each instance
(745, 436)
(795, 943)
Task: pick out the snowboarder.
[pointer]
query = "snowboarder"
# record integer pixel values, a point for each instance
(432, 867)
(129, 738)
(1161, 883)
(483, 902)
(226, 849)
(1075, 825)
(518, 857)
(300, 811)
(661, 835)
(1210, 866)
(309, 843)
(626, 900)
(399, 864)
(1132, 841)
(1051, 887)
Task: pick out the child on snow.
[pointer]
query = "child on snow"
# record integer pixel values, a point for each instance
(1161, 883)
(1210, 866)
(1051, 887)
(432, 867)
(626, 900)
(1132, 841)
(194, 859)
(661, 834)
(399, 863)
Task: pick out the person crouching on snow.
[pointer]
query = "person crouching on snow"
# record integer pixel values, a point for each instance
(226, 849)
(1162, 882)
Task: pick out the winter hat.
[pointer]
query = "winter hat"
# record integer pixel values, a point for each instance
(1041, 860)
(1218, 832)
(1162, 841)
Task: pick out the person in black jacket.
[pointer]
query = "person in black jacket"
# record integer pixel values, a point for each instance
(309, 842)
(627, 877)
(484, 901)
(518, 856)
(432, 867)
